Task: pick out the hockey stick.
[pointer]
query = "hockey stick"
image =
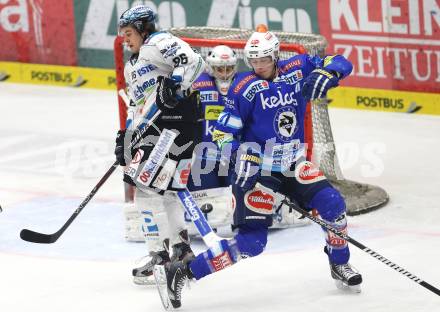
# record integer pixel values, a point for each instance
(198, 218)
(357, 244)
(41, 238)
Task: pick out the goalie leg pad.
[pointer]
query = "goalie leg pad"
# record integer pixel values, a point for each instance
(249, 242)
(154, 219)
(133, 223)
(216, 205)
(175, 213)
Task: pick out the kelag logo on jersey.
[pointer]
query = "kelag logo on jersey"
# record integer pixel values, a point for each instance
(275, 101)
(209, 96)
(285, 123)
(255, 87)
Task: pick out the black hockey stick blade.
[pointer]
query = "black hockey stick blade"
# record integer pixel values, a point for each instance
(40, 238)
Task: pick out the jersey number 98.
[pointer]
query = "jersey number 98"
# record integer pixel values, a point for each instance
(180, 59)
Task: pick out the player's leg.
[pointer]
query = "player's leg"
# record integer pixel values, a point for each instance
(179, 238)
(152, 208)
(312, 190)
(250, 241)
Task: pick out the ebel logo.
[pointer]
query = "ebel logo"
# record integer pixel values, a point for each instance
(280, 100)
(255, 87)
(208, 96)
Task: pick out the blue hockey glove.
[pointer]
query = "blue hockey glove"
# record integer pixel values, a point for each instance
(246, 169)
(318, 83)
(166, 97)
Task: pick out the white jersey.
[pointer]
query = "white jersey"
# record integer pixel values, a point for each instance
(162, 54)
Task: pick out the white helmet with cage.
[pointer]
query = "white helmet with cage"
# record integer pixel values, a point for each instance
(222, 65)
(262, 43)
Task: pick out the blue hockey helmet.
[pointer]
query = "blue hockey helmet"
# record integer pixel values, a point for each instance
(139, 17)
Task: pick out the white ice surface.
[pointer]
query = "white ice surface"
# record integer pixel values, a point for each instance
(56, 143)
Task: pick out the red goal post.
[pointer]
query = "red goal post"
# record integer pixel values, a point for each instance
(359, 197)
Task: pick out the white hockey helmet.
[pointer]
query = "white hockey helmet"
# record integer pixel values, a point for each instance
(222, 65)
(262, 43)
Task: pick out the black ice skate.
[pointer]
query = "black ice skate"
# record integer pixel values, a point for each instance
(177, 274)
(144, 274)
(345, 276)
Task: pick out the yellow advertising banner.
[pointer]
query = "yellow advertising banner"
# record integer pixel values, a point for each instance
(67, 76)
(385, 100)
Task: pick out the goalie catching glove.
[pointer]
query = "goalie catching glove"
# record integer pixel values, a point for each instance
(167, 97)
(318, 83)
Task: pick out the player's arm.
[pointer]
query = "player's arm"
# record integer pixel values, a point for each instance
(186, 64)
(230, 122)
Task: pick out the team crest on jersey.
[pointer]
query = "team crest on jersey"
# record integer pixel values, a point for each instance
(259, 201)
(255, 87)
(306, 173)
(170, 50)
(208, 96)
(285, 123)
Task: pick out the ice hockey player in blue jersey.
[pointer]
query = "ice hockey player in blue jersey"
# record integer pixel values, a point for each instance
(263, 121)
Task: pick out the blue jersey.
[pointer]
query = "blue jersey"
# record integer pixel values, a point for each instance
(271, 113)
(212, 106)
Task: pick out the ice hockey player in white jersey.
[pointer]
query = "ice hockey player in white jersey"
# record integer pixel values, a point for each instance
(263, 124)
(160, 70)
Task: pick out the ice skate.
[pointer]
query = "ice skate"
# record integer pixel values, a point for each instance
(182, 251)
(177, 275)
(346, 277)
(144, 274)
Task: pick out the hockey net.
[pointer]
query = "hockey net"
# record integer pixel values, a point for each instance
(360, 198)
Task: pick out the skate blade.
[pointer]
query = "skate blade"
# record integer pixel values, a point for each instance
(161, 285)
(345, 287)
(144, 280)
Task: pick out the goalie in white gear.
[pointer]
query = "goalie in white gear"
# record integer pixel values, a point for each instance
(209, 180)
(161, 69)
